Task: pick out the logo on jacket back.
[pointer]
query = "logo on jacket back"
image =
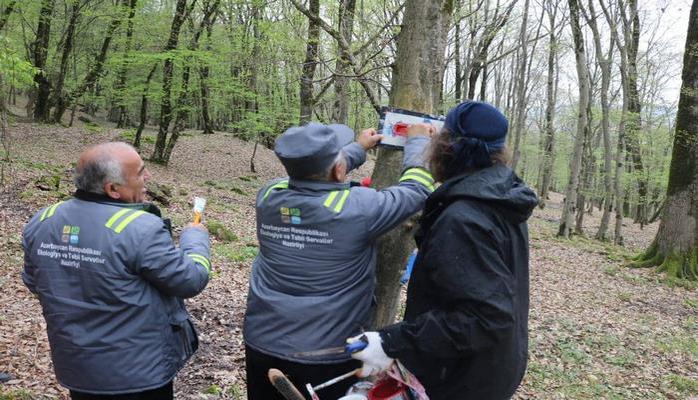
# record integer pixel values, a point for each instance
(291, 215)
(70, 234)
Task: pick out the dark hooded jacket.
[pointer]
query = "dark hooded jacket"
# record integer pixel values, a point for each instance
(465, 331)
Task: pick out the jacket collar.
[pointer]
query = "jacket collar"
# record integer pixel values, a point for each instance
(104, 199)
(319, 186)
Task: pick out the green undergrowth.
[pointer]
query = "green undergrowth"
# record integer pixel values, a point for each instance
(236, 253)
(20, 394)
(220, 231)
(685, 385)
(130, 135)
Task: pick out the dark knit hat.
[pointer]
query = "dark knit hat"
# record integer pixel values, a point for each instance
(311, 149)
(478, 120)
(477, 130)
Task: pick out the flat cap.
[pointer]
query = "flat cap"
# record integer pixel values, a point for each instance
(311, 149)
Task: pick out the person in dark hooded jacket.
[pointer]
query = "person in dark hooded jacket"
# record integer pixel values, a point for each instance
(465, 330)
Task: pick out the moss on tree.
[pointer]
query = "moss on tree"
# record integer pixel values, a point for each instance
(683, 266)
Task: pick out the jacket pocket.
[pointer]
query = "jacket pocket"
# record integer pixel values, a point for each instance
(185, 340)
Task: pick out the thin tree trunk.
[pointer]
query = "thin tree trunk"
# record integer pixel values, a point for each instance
(605, 63)
(184, 100)
(309, 65)
(457, 55)
(65, 58)
(204, 72)
(521, 89)
(144, 108)
(551, 95)
(6, 14)
(121, 80)
(42, 107)
(570, 206)
(341, 82)
(167, 71)
(94, 72)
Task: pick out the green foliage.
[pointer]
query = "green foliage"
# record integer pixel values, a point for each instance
(14, 70)
(213, 389)
(220, 231)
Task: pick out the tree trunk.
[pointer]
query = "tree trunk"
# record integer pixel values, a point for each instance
(456, 55)
(65, 58)
(675, 248)
(184, 100)
(6, 13)
(340, 112)
(167, 71)
(551, 95)
(570, 206)
(413, 89)
(94, 73)
(42, 107)
(309, 65)
(204, 72)
(520, 120)
(121, 80)
(144, 108)
(605, 63)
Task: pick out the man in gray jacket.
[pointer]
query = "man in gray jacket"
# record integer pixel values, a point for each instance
(111, 282)
(312, 282)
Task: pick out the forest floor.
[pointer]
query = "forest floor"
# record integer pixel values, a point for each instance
(597, 329)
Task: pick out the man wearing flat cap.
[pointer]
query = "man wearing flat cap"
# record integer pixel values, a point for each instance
(312, 282)
(465, 330)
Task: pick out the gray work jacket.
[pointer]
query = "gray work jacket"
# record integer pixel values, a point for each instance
(312, 282)
(110, 281)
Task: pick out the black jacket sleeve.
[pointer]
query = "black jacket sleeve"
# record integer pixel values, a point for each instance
(475, 290)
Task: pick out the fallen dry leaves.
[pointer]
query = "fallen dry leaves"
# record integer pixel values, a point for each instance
(597, 329)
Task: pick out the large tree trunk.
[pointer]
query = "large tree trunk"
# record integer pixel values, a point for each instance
(204, 71)
(675, 248)
(309, 65)
(42, 107)
(167, 71)
(570, 206)
(413, 88)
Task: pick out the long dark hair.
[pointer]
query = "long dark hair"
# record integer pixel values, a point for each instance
(447, 158)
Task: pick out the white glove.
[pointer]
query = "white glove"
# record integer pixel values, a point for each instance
(373, 357)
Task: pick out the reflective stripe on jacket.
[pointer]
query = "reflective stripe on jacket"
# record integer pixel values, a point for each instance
(312, 282)
(111, 282)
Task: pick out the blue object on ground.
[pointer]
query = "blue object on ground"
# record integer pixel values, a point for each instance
(408, 268)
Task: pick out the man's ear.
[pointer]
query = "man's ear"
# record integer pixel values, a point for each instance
(339, 172)
(110, 190)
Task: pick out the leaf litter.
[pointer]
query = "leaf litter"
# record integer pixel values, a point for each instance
(598, 330)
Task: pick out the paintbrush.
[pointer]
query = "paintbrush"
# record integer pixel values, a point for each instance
(283, 385)
(199, 205)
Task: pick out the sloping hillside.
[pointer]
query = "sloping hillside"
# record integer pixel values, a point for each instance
(598, 330)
